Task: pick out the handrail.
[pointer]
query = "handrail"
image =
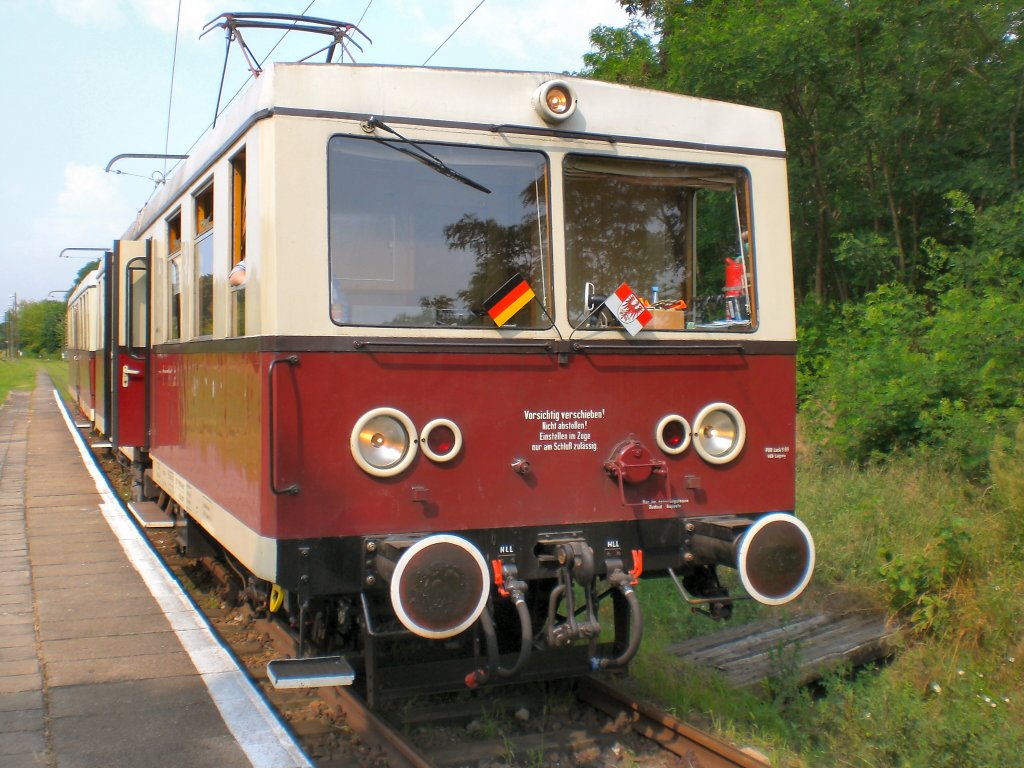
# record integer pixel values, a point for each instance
(294, 487)
(613, 346)
(499, 344)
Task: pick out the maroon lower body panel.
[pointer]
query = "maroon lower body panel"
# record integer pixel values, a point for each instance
(214, 423)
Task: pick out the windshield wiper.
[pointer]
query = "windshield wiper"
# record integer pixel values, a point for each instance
(422, 155)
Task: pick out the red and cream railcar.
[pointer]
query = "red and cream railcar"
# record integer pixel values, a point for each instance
(85, 329)
(507, 344)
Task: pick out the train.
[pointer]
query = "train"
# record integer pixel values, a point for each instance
(448, 363)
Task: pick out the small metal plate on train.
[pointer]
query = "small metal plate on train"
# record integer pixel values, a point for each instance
(316, 672)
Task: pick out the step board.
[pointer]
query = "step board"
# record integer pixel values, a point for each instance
(150, 515)
(316, 672)
(99, 446)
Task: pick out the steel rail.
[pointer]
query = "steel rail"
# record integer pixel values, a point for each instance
(669, 732)
(371, 729)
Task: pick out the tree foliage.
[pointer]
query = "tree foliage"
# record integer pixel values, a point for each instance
(888, 106)
(942, 367)
(40, 327)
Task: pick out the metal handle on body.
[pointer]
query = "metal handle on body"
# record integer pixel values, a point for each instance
(294, 487)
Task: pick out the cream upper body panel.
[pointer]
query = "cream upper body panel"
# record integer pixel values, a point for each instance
(287, 117)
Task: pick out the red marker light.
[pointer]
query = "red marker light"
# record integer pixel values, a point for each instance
(441, 440)
(673, 434)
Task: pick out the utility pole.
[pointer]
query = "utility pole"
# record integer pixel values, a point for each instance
(12, 320)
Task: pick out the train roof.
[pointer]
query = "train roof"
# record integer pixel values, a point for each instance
(91, 280)
(473, 98)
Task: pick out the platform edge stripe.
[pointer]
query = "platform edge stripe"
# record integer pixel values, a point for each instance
(262, 736)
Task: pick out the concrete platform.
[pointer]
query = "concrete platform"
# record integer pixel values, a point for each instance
(104, 661)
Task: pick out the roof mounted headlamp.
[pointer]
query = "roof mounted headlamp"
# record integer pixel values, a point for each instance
(554, 101)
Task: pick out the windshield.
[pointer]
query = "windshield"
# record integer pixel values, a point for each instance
(418, 243)
(676, 234)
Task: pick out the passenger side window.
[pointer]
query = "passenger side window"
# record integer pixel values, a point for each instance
(237, 268)
(174, 276)
(204, 260)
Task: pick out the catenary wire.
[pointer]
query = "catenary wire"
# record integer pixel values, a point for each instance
(170, 94)
(453, 32)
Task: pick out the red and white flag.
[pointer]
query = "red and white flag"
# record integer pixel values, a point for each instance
(628, 309)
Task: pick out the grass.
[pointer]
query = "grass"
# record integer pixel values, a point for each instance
(58, 370)
(16, 374)
(21, 373)
(941, 555)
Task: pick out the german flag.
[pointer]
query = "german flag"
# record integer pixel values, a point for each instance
(509, 299)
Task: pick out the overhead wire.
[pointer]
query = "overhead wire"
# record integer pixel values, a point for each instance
(364, 13)
(170, 94)
(453, 32)
(167, 131)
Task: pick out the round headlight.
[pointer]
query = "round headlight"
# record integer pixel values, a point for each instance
(382, 442)
(554, 101)
(673, 434)
(719, 433)
(441, 440)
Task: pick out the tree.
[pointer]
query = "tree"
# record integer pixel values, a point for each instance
(94, 264)
(942, 367)
(41, 327)
(888, 106)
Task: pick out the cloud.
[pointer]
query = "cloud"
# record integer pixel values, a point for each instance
(87, 12)
(159, 14)
(163, 14)
(89, 197)
(91, 210)
(525, 34)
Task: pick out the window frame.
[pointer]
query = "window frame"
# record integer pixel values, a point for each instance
(203, 224)
(732, 179)
(174, 270)
(239, 241)
(546, 298)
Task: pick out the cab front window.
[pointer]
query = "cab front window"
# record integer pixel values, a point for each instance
(676, 234)
(432, 235)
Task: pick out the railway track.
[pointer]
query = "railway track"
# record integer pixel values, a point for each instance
(584, 723)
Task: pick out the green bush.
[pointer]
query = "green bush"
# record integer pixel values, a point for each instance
(929, 370)
(873, 386)
(922, 587)
(1008, 478)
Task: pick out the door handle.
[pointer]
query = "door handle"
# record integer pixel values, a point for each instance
(126, 372)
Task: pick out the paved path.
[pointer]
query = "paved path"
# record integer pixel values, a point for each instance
(94, 669)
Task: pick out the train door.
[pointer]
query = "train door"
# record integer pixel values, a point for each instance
(103, 394)
(130, 334)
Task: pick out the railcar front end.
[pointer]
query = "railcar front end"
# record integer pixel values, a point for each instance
(499, 356)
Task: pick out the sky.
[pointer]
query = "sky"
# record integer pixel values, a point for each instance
(86, 80)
